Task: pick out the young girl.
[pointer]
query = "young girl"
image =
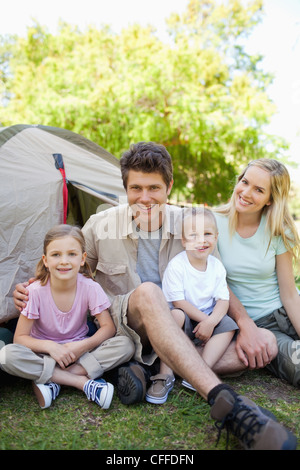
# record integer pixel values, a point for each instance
(257, 243)
(51, 342)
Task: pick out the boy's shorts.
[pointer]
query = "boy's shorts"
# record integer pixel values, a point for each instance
(226, 324)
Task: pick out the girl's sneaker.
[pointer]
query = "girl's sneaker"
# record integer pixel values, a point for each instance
(45, 393)
(99, 391)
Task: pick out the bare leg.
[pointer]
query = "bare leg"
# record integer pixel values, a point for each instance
(91, 388)
(64, 377)
(148, 312)
(76, 369)
(179, 317)
(215, 347)
(229, 363)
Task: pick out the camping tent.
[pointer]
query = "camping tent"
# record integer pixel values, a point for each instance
(47, 176)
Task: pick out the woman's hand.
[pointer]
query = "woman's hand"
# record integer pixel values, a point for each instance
(255, 348)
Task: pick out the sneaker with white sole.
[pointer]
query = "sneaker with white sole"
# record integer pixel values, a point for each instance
(45, 393)
(99, 391)
(161, 386)
(188, 385)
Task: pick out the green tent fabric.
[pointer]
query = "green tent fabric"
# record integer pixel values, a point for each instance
(31, 194)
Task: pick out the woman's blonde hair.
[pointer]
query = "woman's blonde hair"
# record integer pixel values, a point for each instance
(279, 221)
(60, 231)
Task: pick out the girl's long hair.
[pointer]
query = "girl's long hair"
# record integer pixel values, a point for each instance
(60, 231)
(279, 221)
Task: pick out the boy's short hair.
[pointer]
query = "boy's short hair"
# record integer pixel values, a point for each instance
(147, 157)
(198, 211)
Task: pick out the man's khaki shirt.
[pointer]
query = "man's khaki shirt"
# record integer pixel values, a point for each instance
(112, 244)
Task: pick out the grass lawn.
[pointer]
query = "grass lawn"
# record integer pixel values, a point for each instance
(183, 423)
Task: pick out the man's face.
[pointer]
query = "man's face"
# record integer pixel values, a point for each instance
(147, 195)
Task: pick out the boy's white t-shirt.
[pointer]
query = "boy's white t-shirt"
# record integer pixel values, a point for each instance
(182, 281)
(251, 267)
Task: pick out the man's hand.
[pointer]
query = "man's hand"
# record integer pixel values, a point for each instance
(20, 294)
(253, 346)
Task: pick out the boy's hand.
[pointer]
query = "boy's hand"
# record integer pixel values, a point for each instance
(204, 330)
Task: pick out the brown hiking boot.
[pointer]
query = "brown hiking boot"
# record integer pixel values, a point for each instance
(132, 383)
(256, 428)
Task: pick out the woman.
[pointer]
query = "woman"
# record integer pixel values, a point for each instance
(258, 242)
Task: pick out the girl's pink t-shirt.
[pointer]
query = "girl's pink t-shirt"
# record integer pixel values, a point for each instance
(63, 327)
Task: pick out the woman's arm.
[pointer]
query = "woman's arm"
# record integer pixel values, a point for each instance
(288, 293)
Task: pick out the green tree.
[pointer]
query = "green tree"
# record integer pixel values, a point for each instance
(201, 95)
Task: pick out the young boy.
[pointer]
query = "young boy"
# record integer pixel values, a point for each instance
(195, 283)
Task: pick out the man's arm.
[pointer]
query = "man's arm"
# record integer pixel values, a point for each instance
(20, 294)
(92, 257)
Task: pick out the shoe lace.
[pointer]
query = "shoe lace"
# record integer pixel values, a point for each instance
(55, 388)
(244, 426)
(91, 390)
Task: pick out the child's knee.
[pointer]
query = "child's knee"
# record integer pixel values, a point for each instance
(8, 354)
(126, 347)
(179, 316)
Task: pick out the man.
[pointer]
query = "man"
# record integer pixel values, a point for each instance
(129, 247)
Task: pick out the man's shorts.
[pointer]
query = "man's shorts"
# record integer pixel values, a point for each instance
(118, 312)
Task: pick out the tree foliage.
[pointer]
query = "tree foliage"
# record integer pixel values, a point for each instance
(201, 95)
